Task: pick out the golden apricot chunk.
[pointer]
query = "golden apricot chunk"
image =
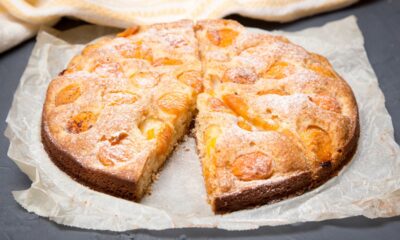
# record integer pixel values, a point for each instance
(117, 138)
(164, 139)
(318, 141)
(275, 91)
(153, 128)
(106, 69)
(237, 104)
(145, 79)
(252, 166)
(222, 37)
(320, 65)
(166, 61)
(212, 131)
(217, 105)
(119, 97)
(209, 171)
(81, 122)
(104, 160)
(136, 50)
(324, 71)
(173, 102)
(211, 135)
(68, 94)
(244, 125)
(109, 155)
(240, 75)
(129, 31)
(150, 126)
(240, 107)
(151, 134)
(192, 79)
(276, 70)
(265, 124)
(327, 103)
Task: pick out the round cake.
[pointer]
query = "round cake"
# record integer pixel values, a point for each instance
(271, 119)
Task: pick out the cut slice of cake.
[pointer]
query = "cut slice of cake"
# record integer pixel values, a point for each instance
(112, 117)
(274, 120)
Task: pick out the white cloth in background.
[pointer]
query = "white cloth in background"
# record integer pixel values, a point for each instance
(21, 19)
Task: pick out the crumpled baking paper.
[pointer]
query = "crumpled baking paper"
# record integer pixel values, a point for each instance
(369, 185)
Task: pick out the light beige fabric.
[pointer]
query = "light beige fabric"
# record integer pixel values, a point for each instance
(20, 19)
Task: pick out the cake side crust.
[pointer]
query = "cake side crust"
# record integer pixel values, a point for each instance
(263, 194)
(96, 180)
(290, 187)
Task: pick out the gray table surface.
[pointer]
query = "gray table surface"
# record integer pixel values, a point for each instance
(380, 24)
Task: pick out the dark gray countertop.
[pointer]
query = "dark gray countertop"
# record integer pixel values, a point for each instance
(380, 24)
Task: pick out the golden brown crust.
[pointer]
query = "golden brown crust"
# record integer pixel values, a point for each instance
(274, 120)
(267, 193)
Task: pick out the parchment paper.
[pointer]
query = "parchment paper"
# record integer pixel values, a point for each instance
(369, 185)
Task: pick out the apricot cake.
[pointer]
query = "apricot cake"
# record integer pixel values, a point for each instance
(273, 119)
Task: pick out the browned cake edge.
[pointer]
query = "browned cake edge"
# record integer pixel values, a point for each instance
(289, 187)
(262, 194)
(327, 172)
(94, 179)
